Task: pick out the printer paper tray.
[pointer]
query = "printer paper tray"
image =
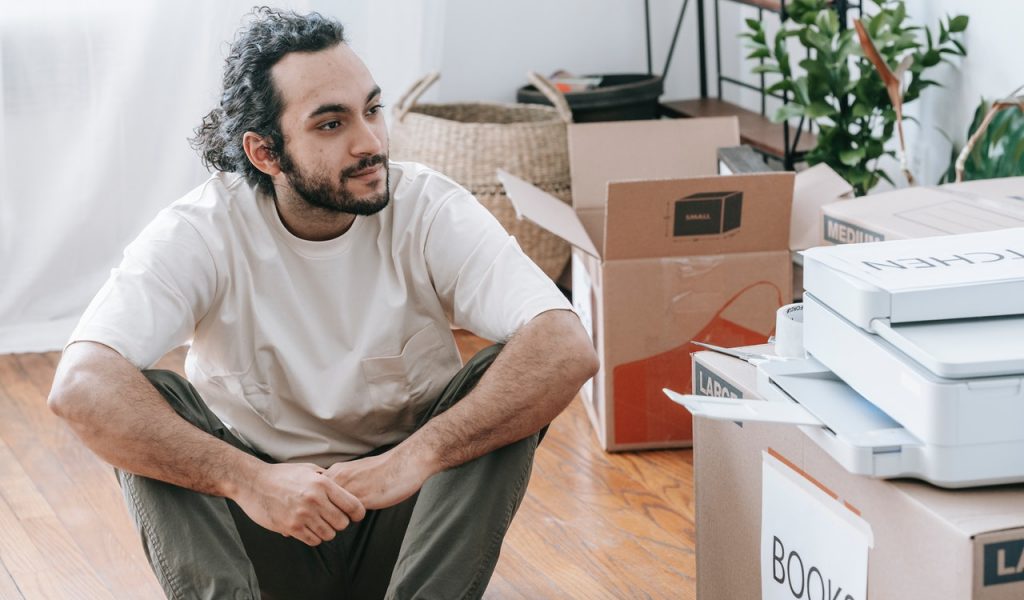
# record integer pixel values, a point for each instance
(855, 433)
(936, 410)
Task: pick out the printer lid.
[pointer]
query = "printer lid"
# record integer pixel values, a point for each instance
(961, 348)
(930, 279)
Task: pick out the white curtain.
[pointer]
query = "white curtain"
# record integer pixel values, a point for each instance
(97, 100)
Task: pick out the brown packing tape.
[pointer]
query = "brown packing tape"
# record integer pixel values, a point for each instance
(811, 479)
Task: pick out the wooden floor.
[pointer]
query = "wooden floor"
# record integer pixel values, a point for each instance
(593, 525)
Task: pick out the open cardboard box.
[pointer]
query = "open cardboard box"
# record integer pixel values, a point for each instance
(813, 189)
(918, 212)
(664, 252)
(927, 542)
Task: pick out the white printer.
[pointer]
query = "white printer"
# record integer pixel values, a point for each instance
(916, 361)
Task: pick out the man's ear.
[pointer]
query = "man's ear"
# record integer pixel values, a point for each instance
(260, 153)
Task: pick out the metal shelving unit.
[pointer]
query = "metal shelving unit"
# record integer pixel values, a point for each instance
(778, 140)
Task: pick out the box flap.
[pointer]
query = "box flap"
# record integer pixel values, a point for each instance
(547, 211)
(1007, 187)
(918, 212)
(970, 511)
(698, 216)
(651, 149)
(814, 188)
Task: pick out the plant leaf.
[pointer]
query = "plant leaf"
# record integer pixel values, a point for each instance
(819, 109)
(851, 157)
(801, 92)
(788, 111)
(1017, 162)
(827, 22)
(816, 40)
(958, 23)
(930, 58)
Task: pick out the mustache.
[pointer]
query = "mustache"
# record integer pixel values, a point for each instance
(364, 163)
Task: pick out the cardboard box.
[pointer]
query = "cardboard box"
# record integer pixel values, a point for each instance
(927, 542)
(926, 211)
(647, 285)
(814, 188)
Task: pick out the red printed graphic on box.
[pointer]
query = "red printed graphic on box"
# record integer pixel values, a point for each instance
(642, 412)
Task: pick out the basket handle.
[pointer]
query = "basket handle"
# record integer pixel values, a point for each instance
(413, 94)
(552, 93)
(1014, 101)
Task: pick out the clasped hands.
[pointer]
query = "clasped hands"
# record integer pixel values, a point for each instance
(312, 504)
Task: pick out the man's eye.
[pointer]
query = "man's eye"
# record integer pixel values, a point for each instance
(330, 125)
(375, 109)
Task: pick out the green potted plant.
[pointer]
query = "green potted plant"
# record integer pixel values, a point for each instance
(839, 89)
(998, 150)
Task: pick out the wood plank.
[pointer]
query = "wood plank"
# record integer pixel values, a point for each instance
(8, 588)
(769, 5)
(469, 344)
(514, 583)
(755, 130)
(79, 488)
(95, 476)
(42, 559)
(616, 525)
(772, 5)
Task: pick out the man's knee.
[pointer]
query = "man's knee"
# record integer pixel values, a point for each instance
(183, 398)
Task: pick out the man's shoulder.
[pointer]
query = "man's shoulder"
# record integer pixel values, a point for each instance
(220, 192)
(411, 180)
(208, 211)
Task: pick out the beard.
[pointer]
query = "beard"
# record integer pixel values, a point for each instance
(320, 191)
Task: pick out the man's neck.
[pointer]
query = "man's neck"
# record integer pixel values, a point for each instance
(309, 222)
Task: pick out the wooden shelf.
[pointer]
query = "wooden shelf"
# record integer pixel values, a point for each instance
(755, 130)
(772, 5)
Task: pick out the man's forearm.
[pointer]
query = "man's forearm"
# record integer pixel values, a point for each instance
(534, 378)
(121, 417)
(117, 413)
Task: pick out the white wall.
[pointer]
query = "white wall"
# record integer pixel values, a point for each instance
(96, 102)
(483, 48)
(994, 67)
(98, 97)
(486, 46)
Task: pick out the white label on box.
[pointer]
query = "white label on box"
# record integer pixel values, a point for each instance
(581, 302)
(812, 545)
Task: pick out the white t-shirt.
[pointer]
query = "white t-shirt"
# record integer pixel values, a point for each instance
(318, 351)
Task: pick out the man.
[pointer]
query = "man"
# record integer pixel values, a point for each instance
(331, 446)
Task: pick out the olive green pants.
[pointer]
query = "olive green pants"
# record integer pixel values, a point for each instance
(441, 543)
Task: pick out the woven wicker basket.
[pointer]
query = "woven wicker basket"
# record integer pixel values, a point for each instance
(470, 141)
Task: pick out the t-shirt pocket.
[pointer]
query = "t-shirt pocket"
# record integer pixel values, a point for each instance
(405, 383)
(229, 370)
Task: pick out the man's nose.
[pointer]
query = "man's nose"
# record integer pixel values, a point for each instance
(366, 142)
